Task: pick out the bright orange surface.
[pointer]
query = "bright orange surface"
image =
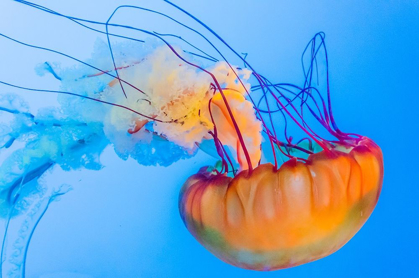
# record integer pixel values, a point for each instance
(277, 219)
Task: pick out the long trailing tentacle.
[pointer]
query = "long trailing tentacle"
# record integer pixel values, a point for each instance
(319, 108)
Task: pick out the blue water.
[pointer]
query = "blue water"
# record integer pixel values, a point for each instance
(122, 221)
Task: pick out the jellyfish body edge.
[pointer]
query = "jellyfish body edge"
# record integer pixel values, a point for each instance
(274, 219)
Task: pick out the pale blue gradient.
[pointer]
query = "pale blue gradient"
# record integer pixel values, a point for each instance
(122, 221)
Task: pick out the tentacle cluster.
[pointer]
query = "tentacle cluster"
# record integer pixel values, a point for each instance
(120, 81)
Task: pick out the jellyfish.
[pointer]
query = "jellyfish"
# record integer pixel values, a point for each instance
(271, 215)
(273, 200)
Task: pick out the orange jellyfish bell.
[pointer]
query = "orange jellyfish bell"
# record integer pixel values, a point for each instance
(268, 216)
(273, 219)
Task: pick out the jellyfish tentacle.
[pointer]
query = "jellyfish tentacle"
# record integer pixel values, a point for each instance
(25, 213)
(67, 56)
(85, 97)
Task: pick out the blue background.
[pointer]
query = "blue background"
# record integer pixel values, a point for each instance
(122, 221)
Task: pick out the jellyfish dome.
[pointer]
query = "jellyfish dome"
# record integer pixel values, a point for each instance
(272, 218)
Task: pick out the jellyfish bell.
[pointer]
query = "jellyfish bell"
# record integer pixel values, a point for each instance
(273, 219)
